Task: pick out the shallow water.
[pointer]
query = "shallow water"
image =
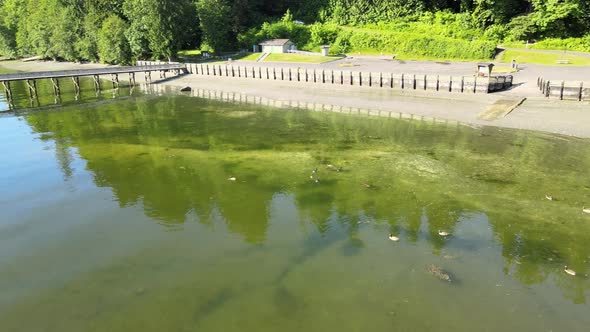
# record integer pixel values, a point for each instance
(119, 216)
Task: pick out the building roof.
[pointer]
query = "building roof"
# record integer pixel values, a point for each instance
(274, 42)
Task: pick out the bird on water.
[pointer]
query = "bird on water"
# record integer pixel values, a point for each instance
(586, 210)
(443, 233)
(549, 197)
(569, 271)
(393, 237)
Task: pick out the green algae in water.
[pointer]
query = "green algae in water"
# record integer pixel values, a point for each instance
(121, 217)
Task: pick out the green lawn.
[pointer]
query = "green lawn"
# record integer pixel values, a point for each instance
(285, 57)
(249, 57)
(189, 53)
(542, 58)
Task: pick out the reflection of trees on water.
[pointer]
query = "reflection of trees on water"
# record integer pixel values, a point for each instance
(174, 160)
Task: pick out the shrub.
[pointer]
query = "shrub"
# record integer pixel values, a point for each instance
(420, 45)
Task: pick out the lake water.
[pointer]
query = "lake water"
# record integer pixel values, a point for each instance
(120, 215)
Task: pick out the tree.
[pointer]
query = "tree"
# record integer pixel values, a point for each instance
(113, 46)
(215, 23)
(159, 26)
(11, 13)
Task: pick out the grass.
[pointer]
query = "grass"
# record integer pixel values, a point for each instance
(542, 58)
(189, 53)
(285, 57)
(249, 57)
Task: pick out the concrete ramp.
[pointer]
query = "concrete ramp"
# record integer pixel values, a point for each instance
(262, 57)
(500, 108)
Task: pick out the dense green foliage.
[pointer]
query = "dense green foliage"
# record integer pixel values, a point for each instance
(72, 29)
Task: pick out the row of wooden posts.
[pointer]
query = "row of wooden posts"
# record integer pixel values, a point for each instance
(564, 89)
(406, 81)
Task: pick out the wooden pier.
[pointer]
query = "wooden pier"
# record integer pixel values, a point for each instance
(112, 73)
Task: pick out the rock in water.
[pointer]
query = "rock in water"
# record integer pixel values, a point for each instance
(439, 273)
(186, 89)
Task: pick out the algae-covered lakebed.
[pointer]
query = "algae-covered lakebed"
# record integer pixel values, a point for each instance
(125, 216)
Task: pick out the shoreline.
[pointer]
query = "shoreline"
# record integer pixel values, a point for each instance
(534, 113)
(538, 114)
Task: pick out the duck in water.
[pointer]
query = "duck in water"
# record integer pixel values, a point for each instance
(569, 271)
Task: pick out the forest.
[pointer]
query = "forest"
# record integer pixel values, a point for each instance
(121, 31)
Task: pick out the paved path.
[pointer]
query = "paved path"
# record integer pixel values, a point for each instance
(534, 50)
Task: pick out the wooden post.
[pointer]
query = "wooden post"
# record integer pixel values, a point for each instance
(380, 79)
(450, 83)
(425, 83)
(31, 89)
(290, 77)
(8, 92)
(370, 79)
(360, 78)
(403, 81)
(233, 72)
(314, 76)
(341, 77)
(96, 80)
(437, 82)
(282, 74)
(55, 84)
(306, 76)
(462, 83)
(260, 72)
(76, 81)
(391, 80)
(274, 73)
(226, 71)
(253, 72)
(561, 91)
(131, 79)
(581, 91)
(414, 82)
(351, 79)
(207, 70)
(323, 76)
(332, 76)
(475, 84)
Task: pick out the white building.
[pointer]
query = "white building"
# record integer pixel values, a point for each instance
(277, 46)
